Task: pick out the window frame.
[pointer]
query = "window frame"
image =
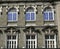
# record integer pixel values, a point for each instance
(13, 16)
(46, 40)
(30, 15)
(48, 15)
(12, 40)
(33, 40)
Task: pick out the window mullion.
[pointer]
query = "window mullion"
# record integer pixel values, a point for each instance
(30, 15)
(55, 41)
(34, 16)
(48, 15)
(12, 16)
(16, 16)
(11, 41)
(53, 14)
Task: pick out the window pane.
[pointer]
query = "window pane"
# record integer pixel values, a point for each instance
(27, 16)
(9, 16)
(32, 36)
(26, 42)
(32, 16)
(26, 46)
(9, 37)
(50, 16)
(45, 44)
(27, 36)
(46, 36)
(7, 44)
(51, 36)
(14, 16)
(14, 37)
(45, 16)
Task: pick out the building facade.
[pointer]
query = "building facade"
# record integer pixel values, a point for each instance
(29, 24)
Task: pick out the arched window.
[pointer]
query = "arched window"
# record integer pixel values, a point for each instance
(30, 14)
(12, 15)
(48, 14)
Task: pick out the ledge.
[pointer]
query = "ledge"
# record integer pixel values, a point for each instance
(17, 1)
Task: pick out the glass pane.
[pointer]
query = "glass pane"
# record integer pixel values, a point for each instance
(27, 36)
(27, 16)
(45, 44)
(50, 42)
(53, 42)
(34, 46)
(29, 42)
(13, 37)
(45, 16)
(32, 16)
(32, 36)
(51, 36)
(53, 46)
(26, 42)
(12, 44)
(29, 46)
(34, 42)
(14, 16)
(46, 36)
(30, 9)
(26, 46)
(9, 16)
(7, 44)
(9, 37)
(50, 16)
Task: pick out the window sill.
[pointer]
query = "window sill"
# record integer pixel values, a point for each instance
(48, 20)
(12, 21)
(29, 20)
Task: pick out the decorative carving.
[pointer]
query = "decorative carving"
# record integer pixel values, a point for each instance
(33, 6)
(44, 6)
(31, 30)
(9, 7)
(12, 30)
(50, 29)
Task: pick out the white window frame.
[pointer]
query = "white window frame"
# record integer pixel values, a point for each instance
(0, 11)
(0, 14)
(12, 40)
(30, 16)
(51, 40)
(12, 16)
(29, 40)
(48, 15)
